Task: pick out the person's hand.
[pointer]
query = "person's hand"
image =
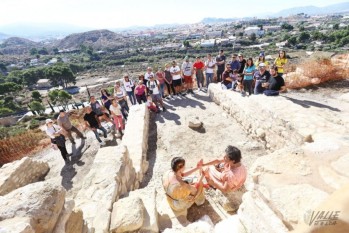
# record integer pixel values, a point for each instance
(200, 163)
(92, 128)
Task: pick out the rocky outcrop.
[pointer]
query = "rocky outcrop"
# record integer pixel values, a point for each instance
(304, 165)
(128, 215)
(38, 204)
(111, 175)
(136, 138)
(20, 173)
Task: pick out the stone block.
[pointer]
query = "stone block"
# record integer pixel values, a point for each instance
(64, 216)
(127, 215)
(16, 225)
(41, 202)
(20, 173)
(341, 165)
(75, 222)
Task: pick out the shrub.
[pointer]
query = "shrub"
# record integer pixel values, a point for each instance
(34, 124)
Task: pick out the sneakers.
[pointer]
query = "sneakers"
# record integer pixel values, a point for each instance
(102, 143)
(163, 109)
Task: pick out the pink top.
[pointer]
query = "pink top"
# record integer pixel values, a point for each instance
(140, 90)
(160, 76)
(235, 177)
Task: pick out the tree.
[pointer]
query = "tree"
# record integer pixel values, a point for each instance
(33, 51)
(303, 37)
(55, 50)
(9, 87)
(60, 96)
(36, 96)
(60, 75)
(253, 37)
(43, 51)
(287, 27)
(292, 40)
(37, 106)
(336, 26)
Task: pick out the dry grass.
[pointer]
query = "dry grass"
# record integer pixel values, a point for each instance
(22, 145)
(313, 72)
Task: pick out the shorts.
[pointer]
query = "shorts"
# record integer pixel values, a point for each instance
(156, 97)
(188, 79)
(177, 83)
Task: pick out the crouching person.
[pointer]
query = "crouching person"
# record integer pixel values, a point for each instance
(92, 121)
(182, 195)
(151, 105)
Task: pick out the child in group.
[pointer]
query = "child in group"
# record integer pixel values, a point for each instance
(115, 110)
(151, 105)
(235, 78)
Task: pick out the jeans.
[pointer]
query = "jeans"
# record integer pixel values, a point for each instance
(248, 86)
(131, 95)
(162, 89)
(200, 78)
(258, 89)
(97, 135)
(209, 77)
(228, 86)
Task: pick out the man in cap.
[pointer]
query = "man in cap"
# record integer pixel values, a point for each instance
(235, 64)
(261, 76)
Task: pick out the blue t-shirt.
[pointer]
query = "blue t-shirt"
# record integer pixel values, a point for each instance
(249, 69)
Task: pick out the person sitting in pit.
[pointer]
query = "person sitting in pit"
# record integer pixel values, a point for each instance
(227, 174)
(227, 80)
(182, 194)
(275, 84)
(261, 76)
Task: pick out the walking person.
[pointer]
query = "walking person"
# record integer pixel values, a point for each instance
(57, 138)
(141, 92)
(169, 81)
(64, 122)
(92, 122)
(120, 96)
(129, 87)
(209, 67)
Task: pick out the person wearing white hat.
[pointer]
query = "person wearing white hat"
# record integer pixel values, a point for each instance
(57, 138)
(261, 76)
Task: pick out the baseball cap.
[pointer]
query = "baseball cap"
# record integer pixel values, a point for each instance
(239, 55)
(49, 121)
(261, 54)
(261, 64)
(186, 58)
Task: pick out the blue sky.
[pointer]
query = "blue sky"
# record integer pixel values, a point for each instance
(116, 13)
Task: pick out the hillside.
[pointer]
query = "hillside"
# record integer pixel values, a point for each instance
(98, 39)
(313, 10)
(16, 45)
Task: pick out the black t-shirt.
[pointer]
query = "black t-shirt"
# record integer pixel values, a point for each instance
(275, 83)
(227, 74)
(242, 66)
(91, 119)
(220, 58)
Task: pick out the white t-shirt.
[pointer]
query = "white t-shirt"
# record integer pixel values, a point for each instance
(50, 131)
(147, 75)
(119, 94)
(174, 70)
(209, 63)
(115, 110)
(187, 68)
(153, 85)
(128, 85)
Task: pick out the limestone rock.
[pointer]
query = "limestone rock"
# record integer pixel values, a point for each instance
(65, 214)
(337, 201)
(17, 225)
(20, 173)
(75, 223)
(41, 202)
(231, 224)
(341, 165)
(127, 215)
(332, 178)
(203, 225)
(257, 217)
(292, 200)
(194, 122)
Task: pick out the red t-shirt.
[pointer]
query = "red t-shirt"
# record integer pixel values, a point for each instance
(199, 65)
(140, 89)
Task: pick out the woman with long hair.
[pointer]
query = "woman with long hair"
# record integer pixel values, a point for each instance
(280, 62)
(248, 76)
(129, 87)
(120, 96)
